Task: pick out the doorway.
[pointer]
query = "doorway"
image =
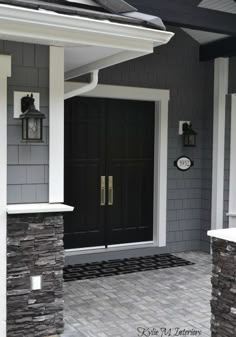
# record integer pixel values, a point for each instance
(109, 171)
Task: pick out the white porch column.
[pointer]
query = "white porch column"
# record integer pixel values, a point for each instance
(220, 92)
(5, 71)
(232, 178)
(56, 125)
(160, 171)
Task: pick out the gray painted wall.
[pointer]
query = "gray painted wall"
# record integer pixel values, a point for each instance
(176, 67)
(27, 163)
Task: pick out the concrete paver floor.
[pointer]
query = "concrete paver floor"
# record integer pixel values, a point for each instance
(150, 303)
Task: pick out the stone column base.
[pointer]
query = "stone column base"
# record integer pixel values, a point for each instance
(223, 302)
(35, 248)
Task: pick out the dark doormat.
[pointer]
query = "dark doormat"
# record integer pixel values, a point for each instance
(122, 266)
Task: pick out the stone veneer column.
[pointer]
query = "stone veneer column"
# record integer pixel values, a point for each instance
(35, 247)
(223, 303)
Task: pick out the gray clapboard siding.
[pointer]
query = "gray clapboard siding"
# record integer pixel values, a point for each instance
(27, 163)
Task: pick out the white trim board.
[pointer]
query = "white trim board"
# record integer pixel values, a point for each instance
(112, 248)
(122, 92)
(56, 123)
(161, 99)
(232, 178)
(38, 208)
(5, 71)
(220, 92)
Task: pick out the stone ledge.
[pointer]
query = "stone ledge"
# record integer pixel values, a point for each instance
(228, 234)
(38, 208)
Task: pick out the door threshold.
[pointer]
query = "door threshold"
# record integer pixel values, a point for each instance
(110, 248)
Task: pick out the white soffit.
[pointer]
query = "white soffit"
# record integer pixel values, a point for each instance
(228, 6)
(78, 56)
(204, 37)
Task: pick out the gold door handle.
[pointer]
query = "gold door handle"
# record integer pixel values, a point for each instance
(103, 191)
(110, 191)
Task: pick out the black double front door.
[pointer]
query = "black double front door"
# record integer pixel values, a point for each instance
(109, 163)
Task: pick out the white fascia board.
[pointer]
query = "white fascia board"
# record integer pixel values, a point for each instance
(122, 92)
(105, 62)
(38, 208)
(28, 25)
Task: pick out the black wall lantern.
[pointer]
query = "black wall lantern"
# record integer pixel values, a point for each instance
(189, 135)
(32, 120)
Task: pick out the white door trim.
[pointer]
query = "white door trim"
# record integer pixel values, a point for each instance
(122, 92)
(220, 92)
(5, 72)
(161, 99)
(232, 178)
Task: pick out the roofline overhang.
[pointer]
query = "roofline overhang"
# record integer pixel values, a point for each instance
(27, 25)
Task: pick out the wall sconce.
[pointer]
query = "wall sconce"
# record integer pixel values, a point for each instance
(32, 120)
(189, 135)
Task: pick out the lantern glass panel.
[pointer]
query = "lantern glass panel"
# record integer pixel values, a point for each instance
(34, 129)
(192, 140)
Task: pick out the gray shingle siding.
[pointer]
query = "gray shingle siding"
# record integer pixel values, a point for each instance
(207, 142)
(27, 164)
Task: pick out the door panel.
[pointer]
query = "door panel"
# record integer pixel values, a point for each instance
(130, 159)
(84, 165)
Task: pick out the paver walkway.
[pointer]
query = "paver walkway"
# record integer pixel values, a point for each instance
(150, 303)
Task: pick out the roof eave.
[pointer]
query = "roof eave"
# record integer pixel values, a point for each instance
(51, 28)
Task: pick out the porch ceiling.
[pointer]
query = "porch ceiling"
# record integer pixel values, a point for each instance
(86, 59)
(79, 56)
